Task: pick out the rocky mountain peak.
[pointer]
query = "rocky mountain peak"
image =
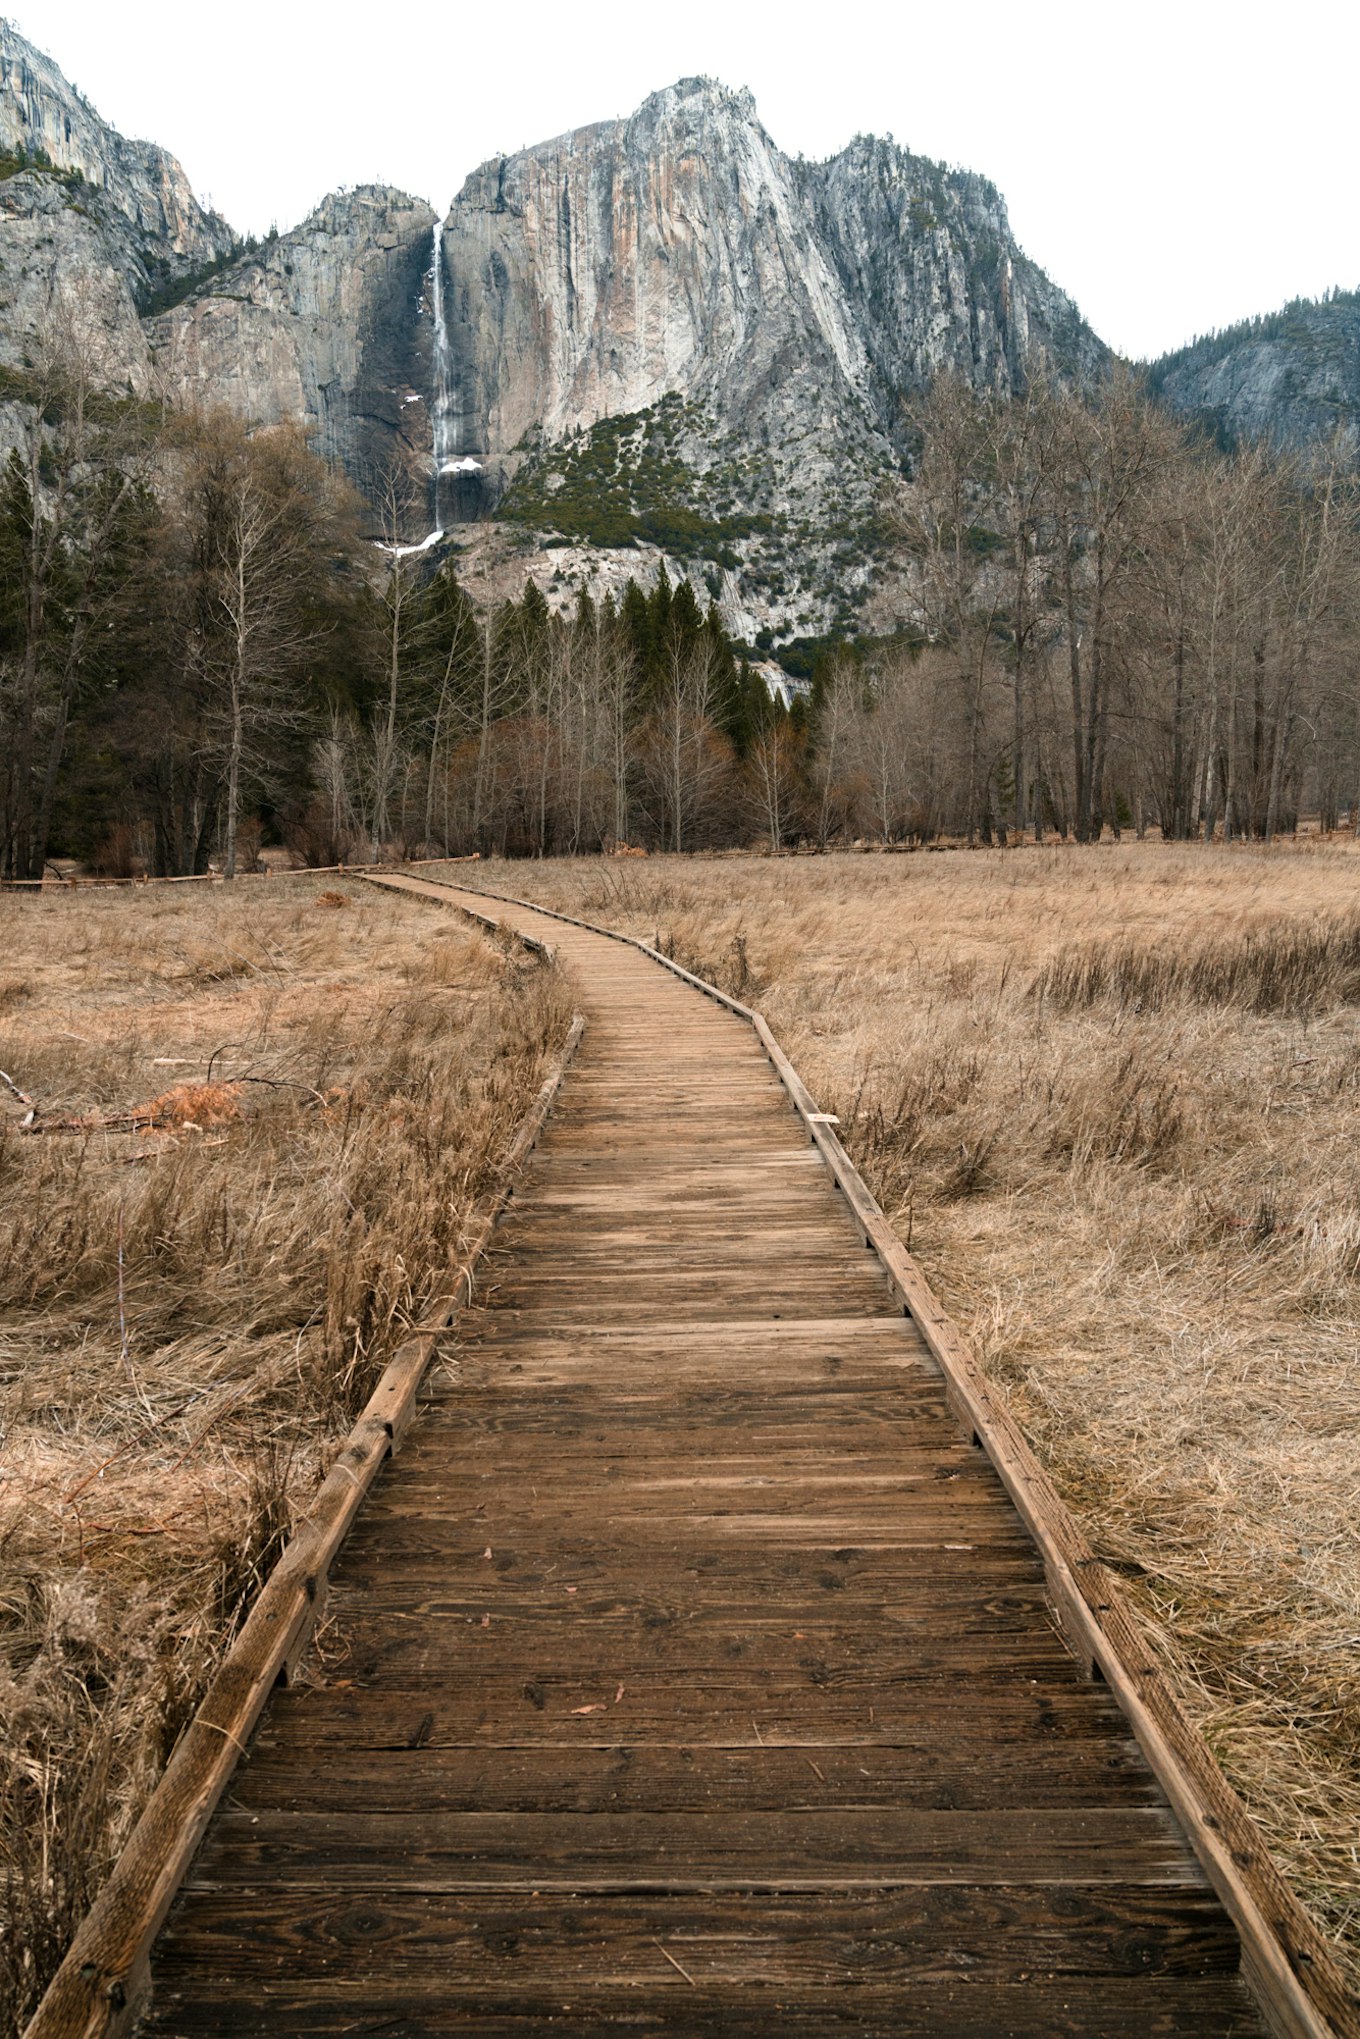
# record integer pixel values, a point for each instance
(696, 100)
(45, 119)
(361, 207)
(670, 123)
(655, 328)
(95, 228)
(601, 271)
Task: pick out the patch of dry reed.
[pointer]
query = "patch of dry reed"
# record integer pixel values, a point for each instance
(270, 1128)
(1110, 1098)
(1287, 966)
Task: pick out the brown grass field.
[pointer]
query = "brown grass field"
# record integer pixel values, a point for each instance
(1109, 1097)
(268, 1114)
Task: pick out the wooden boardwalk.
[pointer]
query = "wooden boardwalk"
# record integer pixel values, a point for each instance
(697, 1674)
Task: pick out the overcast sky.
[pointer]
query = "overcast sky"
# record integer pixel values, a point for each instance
(1172, 166)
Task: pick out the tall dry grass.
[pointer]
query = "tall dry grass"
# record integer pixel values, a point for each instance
(1291, 966)
(1110, 1097)
(271, 1116)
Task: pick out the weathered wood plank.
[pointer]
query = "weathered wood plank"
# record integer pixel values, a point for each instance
(592, 1664)
(775, 1587)
(784, 1850)
(1072, 2008)
(709, 1610)
(947, 1772)
(718, 1708)
(706, 1422)
(790, 1942)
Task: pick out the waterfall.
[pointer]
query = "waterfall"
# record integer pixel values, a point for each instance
(443, 422)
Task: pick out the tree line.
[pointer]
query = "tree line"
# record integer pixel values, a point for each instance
(1126, 626)
(1111, 625)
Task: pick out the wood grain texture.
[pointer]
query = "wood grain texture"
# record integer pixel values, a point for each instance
(1118, 2007)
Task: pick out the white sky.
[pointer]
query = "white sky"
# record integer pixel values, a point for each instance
(1172, 166)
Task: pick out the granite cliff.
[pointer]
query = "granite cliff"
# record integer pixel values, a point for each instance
(1290, 378)
(104, 236)
(325, 326)
(926, 257)
(733, 335)
(657, 333)
(92, 226)
(680, 253)
(663, 331)
(657, 338)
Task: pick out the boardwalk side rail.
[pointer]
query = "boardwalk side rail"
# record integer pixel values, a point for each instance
(1286, 1960)
(101, 1985)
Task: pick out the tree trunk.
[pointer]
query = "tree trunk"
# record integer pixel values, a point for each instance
(1079, 709)
(233, 787)
(1020, 809)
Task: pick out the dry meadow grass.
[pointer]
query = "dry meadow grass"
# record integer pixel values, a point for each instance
(1109, 1097)
(270, 1114)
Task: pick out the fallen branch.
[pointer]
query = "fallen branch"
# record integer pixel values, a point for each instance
(188, 1104)
(12, 1087)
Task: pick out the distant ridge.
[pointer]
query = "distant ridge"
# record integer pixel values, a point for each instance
(1287, 377)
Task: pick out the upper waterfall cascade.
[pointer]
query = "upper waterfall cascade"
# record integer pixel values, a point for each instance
(443, 421)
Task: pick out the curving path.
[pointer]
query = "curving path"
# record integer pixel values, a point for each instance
(698, 1676)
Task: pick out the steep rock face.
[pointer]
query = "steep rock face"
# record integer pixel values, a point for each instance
(41, 112)
(681, 252)
(925, 258)
(89, 221)
(658, 332)
(595, 274)
(324, 326)
(62, 264)
(666, 332)
(1290, 378)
